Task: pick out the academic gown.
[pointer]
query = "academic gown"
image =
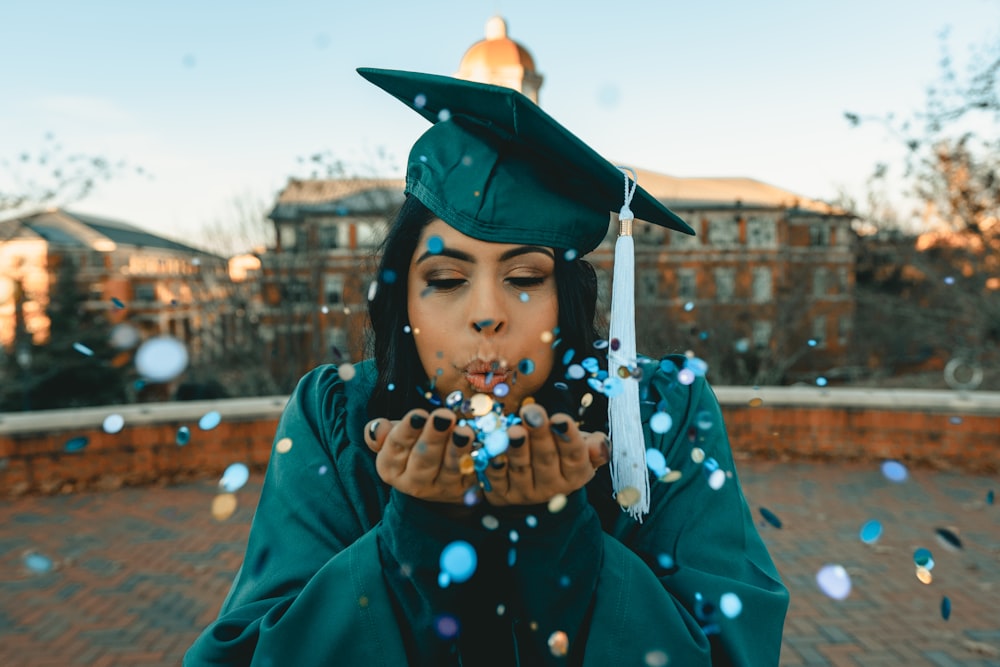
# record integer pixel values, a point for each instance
(342, 570)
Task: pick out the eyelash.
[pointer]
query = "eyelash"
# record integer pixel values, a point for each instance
(446, 284)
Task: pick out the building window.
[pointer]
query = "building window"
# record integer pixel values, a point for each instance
(648, 289)
(328, 237)
(819, 330)
(761, 285)
(687, 284)
(724, 232)
(844, 326)
(820, 282)
(762, 334)
(761, 233)
(333, 289)
(843, 280)
(294, 291)
(819, 235)
(336, 341)
(287, 237)
(145, 293)
(725, 284)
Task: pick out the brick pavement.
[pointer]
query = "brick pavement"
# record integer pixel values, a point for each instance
(138, 572)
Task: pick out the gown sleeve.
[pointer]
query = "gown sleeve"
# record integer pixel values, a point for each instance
(310, 590)
(693, 583)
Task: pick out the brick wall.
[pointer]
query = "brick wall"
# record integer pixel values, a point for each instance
(946, 430)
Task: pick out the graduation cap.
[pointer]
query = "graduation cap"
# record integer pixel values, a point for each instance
(497, 168)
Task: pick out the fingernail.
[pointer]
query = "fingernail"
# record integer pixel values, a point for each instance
(372, 428)
(417, 421)
(459, 439)
(497, 464)
(560, 429)
(516, 442)
(534, 417)
(441, 423)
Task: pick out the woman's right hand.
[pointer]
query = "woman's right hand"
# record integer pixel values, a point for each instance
(419, 455)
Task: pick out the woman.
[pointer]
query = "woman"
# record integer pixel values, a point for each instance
(448, 503)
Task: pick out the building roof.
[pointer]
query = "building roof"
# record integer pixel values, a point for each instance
(373, 195)
(495, 52)
(67, 229)
(699, 193)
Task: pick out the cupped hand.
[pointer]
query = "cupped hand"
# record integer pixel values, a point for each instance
(546, 457)
(419, 455)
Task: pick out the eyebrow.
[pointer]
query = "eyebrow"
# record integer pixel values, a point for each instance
(462, 256)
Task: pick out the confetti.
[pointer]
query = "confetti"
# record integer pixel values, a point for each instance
(871, 532)
(235, 476)
(83, 349)
(161, 359)
(949, 539)
(894, 471)
(656, 462)
(183, 436)
(730, 605)
(834, 581)
(458, 563)
(113, 423)
(557, 503)
(558, 643)
(660, 422)
(37, 563)
(446, 626)
(283, 446)
(770, 517)
(209, 420)
(945, 608)
(628, 496)
(76, 444)
(223, 506)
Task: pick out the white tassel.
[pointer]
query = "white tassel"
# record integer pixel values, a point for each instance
(628, 447)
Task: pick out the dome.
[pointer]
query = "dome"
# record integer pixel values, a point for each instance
(501, 61)
(497, 50)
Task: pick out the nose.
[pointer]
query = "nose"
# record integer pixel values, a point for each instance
(487, 316)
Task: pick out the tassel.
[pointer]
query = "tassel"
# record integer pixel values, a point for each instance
(628, 446)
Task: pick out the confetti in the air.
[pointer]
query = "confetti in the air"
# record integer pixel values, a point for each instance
(235, 476)
(458, 563)
(834, 581)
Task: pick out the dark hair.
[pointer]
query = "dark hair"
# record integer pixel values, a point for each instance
(401, 383)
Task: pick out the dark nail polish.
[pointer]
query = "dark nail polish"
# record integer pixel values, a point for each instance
(534, 418)
(372, 428)
(498, 464)
(441, 423)
(560, 427)
(417, 421)
(516, 442)
(460, 440)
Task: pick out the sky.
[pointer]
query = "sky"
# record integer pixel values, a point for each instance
(218, 101)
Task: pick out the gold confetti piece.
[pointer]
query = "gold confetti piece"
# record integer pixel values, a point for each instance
(586, 400)
(756, 402)
(283, 445)
(924, 575)
(628, 496)
(546, 336)
(697, 454)
(466, 465)
(363, 601)
(346, 371)
(223, 506)
(672, 476)
(557, 503)
(480, 404)
(559, 643)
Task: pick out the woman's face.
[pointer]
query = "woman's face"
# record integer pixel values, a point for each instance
(478, 311)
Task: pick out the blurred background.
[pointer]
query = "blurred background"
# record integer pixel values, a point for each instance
(191, 195)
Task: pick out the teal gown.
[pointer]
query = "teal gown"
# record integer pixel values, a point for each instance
(342, 570)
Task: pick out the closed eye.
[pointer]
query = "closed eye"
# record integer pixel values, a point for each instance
(533, 281)
(444, 284)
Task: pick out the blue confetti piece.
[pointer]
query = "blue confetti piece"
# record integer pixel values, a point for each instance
(770, 517)
(945, 608)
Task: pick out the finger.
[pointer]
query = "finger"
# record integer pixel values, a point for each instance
(544, 454)
(399, 442)
(375, 433)
(598, 448)
(427, 456)
(574, 461)
(519, 459)
(456, 449)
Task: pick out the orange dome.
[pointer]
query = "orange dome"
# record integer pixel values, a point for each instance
(496, 51)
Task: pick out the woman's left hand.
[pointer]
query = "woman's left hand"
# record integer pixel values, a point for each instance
(545, 457)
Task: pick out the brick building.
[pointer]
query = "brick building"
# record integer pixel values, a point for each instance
(770, 274)
(157, 285)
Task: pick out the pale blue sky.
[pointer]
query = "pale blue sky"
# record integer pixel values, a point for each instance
(217, 98)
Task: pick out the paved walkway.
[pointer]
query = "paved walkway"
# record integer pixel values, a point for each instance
(138, 572)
